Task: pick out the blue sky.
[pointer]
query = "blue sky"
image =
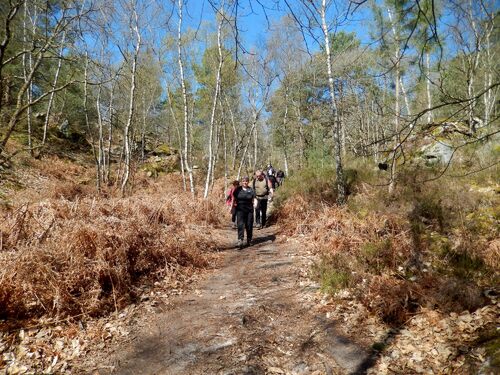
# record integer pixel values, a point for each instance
(254, 20)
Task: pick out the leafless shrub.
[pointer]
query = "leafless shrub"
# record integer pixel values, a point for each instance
(436, 248)
(64, 258)
(391, 299)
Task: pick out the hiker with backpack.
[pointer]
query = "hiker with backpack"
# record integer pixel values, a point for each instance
(271, 176)
(244, 197)
(263, 192)
(231, 202)
(280, 176)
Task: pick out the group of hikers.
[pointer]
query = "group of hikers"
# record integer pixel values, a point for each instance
(247, 196)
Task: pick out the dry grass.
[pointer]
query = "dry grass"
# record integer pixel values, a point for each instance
(72, 253)
(436, 248)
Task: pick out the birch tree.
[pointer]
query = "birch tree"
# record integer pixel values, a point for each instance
(54, 85)
(186, 144)
(215, 103)
(326, 15)
(136, 34)
(62, 20)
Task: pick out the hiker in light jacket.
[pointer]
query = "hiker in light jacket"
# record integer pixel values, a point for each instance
(263, 191)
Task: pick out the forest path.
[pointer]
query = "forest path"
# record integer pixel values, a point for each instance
(255, 315)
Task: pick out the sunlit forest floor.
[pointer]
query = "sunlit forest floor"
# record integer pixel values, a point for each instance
(392, 283)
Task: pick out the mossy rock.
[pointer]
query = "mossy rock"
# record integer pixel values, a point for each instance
(164, 150)
(153, 169)
(156, 165)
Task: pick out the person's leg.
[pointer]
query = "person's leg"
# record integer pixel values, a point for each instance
(249, 227)
(240, 220)
(263, 212)
(257, 213)
(233, 216)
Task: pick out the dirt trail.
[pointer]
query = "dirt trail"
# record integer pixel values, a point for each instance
(255, 315)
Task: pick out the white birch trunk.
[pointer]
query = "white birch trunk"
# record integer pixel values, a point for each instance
(214, 108)
(430, 116)
(54, 85)
(128, 124)
(107, 162)
(397, 81)
(255, 147)
(224, 140)
(87, 120)
(25, 71)
(245, 150)
(179, 139)
(216, 153)
(235, 137)
(100, 140)
(285, 145)
(28, 67)
(341, 190)
(185, 100)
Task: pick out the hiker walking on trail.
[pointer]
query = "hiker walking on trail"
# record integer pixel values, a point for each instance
(263, 191)
(231, 201)
(271, 175)
(280, 176)
(244, 196)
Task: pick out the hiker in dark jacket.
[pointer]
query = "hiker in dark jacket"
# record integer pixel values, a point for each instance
(280, 176)
(245, 198)
(263, 191)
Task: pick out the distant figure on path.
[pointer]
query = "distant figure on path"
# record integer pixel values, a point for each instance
(280, 176)
(231, 201)
(271, 175)
(263, 191)
(244, 196)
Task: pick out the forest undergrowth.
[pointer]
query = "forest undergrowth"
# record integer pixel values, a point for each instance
(67, 252)
(427, 251)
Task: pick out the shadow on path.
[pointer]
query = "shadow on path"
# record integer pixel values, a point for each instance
(376, 351)
(255, 315)
(262, 239)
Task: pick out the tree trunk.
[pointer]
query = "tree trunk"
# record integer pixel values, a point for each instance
(397, 111)
(216, 151)
(54, 85)
(235, 136)
(107, 163)
(255, 147)
(26, 66)
(87, 120)
(430, 117)
(185, 100)
(100, 140)
(7, 34)
(285, 145)
(224, 140)
(214, 108)
(245, 150)
(20, 108)
(341, 189)
(128, 124)
(29, 92)
(179, 139)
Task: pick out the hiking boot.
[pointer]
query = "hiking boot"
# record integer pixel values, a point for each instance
(249, 242)
(240, 244)
(258, 226)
